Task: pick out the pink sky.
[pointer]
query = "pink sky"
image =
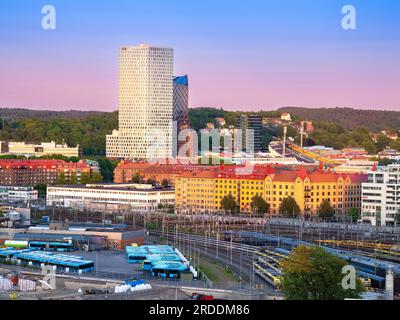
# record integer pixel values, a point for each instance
(238, 56)
(38, 86)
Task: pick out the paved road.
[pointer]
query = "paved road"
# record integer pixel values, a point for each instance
(109, 261)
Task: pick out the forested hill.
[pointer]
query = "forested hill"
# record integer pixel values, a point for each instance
(18, 114)
(88, 129)
(374, 120)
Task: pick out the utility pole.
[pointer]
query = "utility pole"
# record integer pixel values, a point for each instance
(231, 249)
(301, 135)
(284, 141)
(217, 243)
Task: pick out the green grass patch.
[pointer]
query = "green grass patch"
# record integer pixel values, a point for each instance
(216, 272)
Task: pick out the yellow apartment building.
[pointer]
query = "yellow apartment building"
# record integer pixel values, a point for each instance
(195, 192)
(203, 192)
(242, 183)
(311, 189)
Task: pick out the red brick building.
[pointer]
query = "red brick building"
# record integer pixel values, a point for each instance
(124, 172)
(31, 172)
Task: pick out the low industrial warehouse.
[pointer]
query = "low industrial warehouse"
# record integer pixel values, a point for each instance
(113, 197)
(80, 236)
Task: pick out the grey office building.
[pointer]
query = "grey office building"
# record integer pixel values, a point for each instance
(251, 126)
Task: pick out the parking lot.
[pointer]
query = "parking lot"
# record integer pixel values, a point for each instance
(110, 261)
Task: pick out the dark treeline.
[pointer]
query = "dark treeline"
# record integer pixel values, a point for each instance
(374, 120)
(335, 127)
(18, 114)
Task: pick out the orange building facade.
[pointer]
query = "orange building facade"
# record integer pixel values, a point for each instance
(202, 192)
(32, 172)
(124, 172)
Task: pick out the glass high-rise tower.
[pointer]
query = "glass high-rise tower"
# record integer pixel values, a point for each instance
(181, 102)
(181, 110)
(251, 126)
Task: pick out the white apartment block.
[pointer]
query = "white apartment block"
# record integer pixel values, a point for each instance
(42, 149)
(17, 193)
(115, 198)
(381, 197)
(145, 97)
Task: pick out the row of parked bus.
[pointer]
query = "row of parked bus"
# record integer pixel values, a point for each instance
(161, 260)
(61, 262)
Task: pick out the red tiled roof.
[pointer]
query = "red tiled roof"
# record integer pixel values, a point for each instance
(324, 177)
(358, 178)
(160, 167)
(199, 175)
(15, 163)
(240, 172)
(317, 176)
(284, 177)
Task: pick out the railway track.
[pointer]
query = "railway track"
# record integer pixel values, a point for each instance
(238, 257)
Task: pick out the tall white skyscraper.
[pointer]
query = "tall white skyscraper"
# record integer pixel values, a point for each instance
(145, 97)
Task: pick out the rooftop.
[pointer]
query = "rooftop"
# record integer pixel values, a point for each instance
(277, 173)
(48, 236)
(182, 80)
(115, 187)
(15, 163)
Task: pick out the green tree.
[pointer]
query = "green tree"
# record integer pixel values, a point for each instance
(369, 146)
(260, 205)
(61, 179)
(266, 139)
(85, 178)
(228, 203)
(325, 209)
(291, 132)
(151, 226)
(289, 207)
(199, 117)
(96, 177)
(382, 142)
(41, 189)
(171, 209)
(311, 273)
(354, 214)
(151, 181)
(165, 183)
(385, 162)
(73, 178)
(136, 178)
(107, 169)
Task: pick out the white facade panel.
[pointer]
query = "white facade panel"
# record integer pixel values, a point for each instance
(381, 197)
(145, 98)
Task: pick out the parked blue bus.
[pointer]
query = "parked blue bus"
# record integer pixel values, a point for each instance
(62, 262)
(168, 269)
(8, 253)
(51, 246)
